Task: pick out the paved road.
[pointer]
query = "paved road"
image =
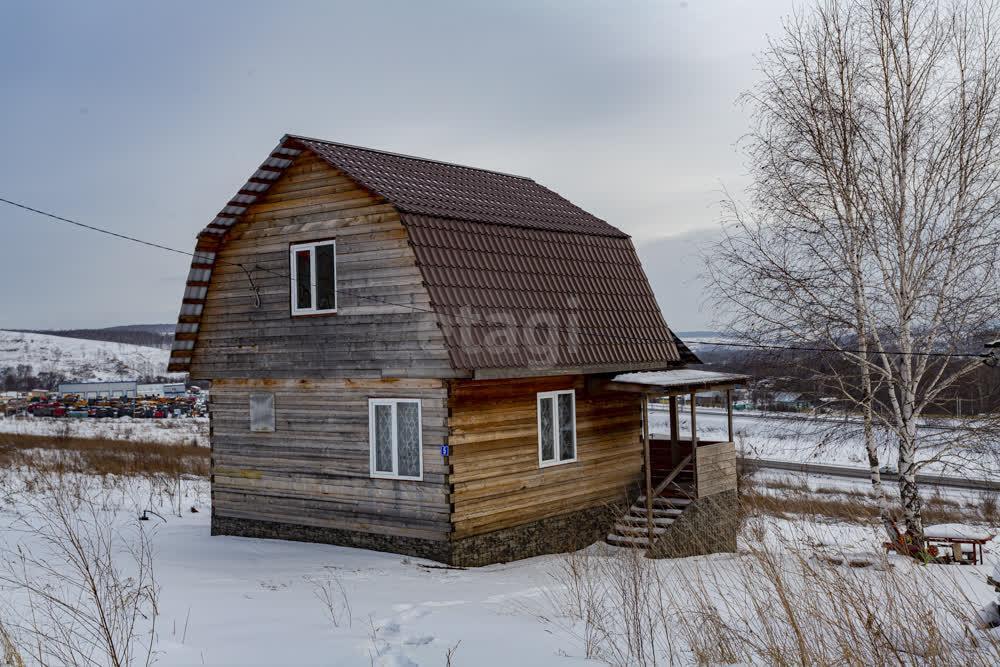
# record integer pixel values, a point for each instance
(848, 471)
(803, 418)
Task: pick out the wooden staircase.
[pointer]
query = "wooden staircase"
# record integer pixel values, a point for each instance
(631, 530)
(671, 497)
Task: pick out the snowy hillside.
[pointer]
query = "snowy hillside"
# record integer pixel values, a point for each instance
(80, 359)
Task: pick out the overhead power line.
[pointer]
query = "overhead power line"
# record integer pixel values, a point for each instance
(95, 229)
(809, 348)
(480, 321)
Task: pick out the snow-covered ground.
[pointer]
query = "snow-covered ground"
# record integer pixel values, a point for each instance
(81, 360)
(238, 601)
(179, 431)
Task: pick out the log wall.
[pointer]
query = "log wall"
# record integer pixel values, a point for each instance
(313, 470)
(495, 479)
(367, 337)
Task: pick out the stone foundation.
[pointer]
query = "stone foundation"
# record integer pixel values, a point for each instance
(408, 546)
(708, 525)
(567, 532)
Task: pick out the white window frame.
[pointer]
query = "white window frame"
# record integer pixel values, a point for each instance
(372, 402)
(293, 266)
(557, 450)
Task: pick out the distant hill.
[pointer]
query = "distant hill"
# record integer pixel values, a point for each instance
(41, 360)
(149, 335)
(684, 335)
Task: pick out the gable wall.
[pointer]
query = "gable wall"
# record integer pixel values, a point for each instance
(366, 338)
(310, 478)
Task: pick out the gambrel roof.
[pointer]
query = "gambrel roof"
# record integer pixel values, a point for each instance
(495, 250)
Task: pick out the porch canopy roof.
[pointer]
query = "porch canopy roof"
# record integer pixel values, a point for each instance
(676, 381)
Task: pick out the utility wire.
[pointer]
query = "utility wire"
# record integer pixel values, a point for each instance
(479, 321)
(95, 229)
(797, 348)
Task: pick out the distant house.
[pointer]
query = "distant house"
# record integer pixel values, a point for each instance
(720, 398)
(414, 356)
(788, 400)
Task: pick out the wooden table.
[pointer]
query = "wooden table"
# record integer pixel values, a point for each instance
(956, 543)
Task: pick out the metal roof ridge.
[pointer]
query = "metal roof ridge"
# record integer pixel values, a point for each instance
(411, 213)
(406, 155)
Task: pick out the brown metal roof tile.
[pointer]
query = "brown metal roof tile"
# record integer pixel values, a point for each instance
(569, 286)
(427, 187)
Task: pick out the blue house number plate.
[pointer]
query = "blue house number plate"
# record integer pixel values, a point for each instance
(445, 450)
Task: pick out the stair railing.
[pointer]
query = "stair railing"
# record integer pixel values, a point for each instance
(659, 489)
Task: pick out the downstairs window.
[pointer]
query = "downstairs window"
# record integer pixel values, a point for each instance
(394, 438)
(556, 427)
(262, 413)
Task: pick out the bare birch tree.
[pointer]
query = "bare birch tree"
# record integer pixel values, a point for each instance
(871, 224)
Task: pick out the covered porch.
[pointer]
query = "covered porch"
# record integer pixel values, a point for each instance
(678, 468)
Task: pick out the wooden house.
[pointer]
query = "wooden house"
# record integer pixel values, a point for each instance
(420, 357)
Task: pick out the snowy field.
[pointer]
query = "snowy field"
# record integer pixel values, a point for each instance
(238, 601)
(179, 431)
(81, 360)
(763, 436)
(787, 437)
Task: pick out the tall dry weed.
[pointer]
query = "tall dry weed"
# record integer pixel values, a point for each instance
(783, 600)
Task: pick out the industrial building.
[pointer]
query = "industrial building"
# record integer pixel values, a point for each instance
(122, 389)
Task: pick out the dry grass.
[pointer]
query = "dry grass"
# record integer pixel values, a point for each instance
(788, 499)
(859, 510)
(791, 602)
(988, 506)
(82, 592)
(129, 458)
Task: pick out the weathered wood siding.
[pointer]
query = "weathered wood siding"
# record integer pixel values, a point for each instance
(716, 468)
(314, 469)
(496, 481)
(366, 338)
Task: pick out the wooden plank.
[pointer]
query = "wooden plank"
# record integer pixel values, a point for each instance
(376, 271)
(315, 469)
(496, 479)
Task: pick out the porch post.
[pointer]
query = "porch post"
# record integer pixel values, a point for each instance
(694, 440)
(729, 413)
(649, 468)
(674, 431)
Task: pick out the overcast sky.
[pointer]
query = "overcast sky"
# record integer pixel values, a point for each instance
(146, 117)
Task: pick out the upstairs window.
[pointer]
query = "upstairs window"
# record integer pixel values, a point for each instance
(556, 427)
(394, 438)
(314, 278)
